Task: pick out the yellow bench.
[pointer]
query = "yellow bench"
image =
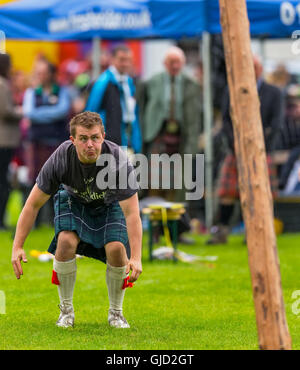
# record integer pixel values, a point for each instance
(168, 213)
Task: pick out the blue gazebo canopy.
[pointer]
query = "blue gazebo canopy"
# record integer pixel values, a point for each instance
(268, 18)
(120, 19)
(113, 19)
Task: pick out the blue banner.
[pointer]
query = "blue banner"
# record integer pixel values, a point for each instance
(113, 19)
(268, 18)
(132, 19)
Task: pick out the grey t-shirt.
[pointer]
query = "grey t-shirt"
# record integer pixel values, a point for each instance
(82, 180)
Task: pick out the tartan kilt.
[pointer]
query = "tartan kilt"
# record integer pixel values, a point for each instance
(94, 226)
(228, 181)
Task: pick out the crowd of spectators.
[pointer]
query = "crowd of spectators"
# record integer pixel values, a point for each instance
(161, 115)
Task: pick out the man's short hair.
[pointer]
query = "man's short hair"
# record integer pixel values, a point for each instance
(175, 50)
(86, 119)
(120, 47)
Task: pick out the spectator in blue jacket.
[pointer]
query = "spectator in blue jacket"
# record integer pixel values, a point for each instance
(112, 96)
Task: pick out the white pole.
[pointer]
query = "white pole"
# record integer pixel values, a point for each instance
(208, 123)
(262, 52)
(96, 54)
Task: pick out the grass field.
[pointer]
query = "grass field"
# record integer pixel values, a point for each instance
(172, 306)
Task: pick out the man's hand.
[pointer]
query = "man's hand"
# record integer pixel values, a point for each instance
(130, 208)
(36, 199)
(18, 255)
(136, 267)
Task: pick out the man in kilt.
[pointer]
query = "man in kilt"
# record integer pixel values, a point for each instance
(272, 114)
(93, 217)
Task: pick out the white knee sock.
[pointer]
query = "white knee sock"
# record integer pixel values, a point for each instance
(66, 274)
(114, 280)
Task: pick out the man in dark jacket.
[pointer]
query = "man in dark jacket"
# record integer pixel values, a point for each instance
(272, 113)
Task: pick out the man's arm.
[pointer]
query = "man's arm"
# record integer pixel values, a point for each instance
(37, 198)
(130, 208)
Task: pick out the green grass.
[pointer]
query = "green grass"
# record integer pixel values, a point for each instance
(172, 306)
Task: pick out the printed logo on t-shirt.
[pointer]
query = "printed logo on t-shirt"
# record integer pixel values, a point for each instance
(88, 195)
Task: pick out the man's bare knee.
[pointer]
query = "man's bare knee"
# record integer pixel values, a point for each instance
(66, 245)
(116, 254)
